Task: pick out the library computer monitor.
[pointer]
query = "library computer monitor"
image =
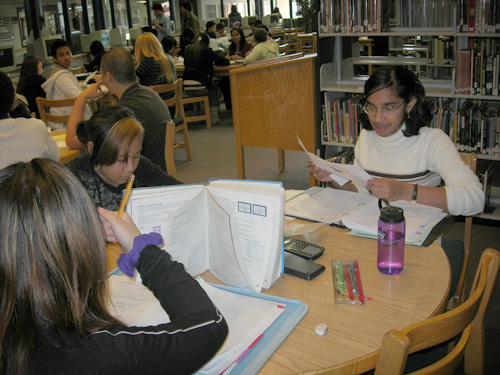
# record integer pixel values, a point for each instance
(7, 63)
(41, 47)
(100, 35)
(134, 33)
(246, 21)
(118, 36)
(224, 21)
(271, 19)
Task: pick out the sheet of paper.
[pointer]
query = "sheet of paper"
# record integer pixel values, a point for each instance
(417, 216)
(327, 206)
(347, 171)
(134, 304)
(247, 318)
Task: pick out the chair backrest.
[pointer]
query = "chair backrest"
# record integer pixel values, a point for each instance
(176, 99)
(169, 149)
(467, 319)
(459, 293)
(44, 106)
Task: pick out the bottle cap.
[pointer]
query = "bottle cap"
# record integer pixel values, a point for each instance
(390, 214)
(321, 329)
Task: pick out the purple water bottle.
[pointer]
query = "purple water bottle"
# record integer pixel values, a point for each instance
(391, 239)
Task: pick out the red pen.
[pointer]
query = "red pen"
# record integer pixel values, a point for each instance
(358, 281)
(349, 285)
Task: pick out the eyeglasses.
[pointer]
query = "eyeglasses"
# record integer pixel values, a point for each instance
(370, 109)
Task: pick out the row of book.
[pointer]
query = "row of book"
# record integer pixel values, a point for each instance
(424, 13)
(478, 16)
(474, 127)
(354, 16)
(341, 115)
(478, 68)
(441, 50)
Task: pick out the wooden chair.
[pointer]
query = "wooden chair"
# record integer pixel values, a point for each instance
(307, 43)
(459, 294)
(170, 147)
(179, 118)
(44, 106)
(283, 48)
(291, 38)
(191, 87)
(467, 320)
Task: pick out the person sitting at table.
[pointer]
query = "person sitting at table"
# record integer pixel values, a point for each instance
(21, 139)
(210, 26)
(113, 139)
(199, 63)
(253, 26)
(264, 48)
(97, 51)
(118, 76)
(62, 84)
(169, 45)
(187, 38)
(153, 67)
(406, 157)
(30, 82)
(56, 315)
(239, 46)
(220, 30)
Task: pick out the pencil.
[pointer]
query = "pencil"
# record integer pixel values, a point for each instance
(358, 279)
(126, 195)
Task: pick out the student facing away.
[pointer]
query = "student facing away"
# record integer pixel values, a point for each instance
(55, 298)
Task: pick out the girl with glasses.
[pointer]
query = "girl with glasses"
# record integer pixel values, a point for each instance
(407, 159)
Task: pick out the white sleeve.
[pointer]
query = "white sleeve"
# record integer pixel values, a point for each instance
(464, 192)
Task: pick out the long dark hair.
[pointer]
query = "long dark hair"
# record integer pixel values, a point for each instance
(404, 85)
(193, 52)
(29, 67)
(52, 261)
(233, 46)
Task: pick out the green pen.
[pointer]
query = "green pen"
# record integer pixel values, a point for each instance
(341, 276)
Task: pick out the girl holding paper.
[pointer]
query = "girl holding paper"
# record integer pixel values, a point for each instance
(55, 300)
(406, 157)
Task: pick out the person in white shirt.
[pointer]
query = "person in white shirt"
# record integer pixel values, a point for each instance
(21, 139)
(62, 84)
(43, 31)
(406, 157)
(161, 22)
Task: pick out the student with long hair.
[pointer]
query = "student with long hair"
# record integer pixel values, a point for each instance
(408, 159)
(239, 46)
(113, 139)
(97, 51)
(31, 81)
(55, 299)
(153, 67)
(199, 62)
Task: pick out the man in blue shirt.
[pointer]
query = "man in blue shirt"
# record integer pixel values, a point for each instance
(161, 22)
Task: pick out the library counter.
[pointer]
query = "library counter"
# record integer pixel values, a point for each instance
(355, 332)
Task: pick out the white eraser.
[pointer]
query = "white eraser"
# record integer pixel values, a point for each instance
(321, 329)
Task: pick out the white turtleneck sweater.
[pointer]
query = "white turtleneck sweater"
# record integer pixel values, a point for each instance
(423, 159)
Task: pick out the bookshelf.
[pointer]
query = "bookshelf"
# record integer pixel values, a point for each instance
(452, 45)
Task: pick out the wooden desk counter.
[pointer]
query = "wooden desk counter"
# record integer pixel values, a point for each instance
(219, 71)
(354, 331)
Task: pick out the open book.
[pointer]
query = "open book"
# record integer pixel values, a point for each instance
(234, 228)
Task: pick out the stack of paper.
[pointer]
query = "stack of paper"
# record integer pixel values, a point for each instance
(360, 212)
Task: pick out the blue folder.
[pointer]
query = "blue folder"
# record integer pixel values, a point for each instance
(274, 335)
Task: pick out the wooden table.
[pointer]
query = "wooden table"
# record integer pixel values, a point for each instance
(354, 331)
(65, 154)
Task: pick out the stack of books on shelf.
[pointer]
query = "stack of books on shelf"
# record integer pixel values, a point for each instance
(478, 67)
(341, 119)
(475, 16)
(424, 13)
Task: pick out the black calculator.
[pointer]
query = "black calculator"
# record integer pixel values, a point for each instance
(303, 249)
